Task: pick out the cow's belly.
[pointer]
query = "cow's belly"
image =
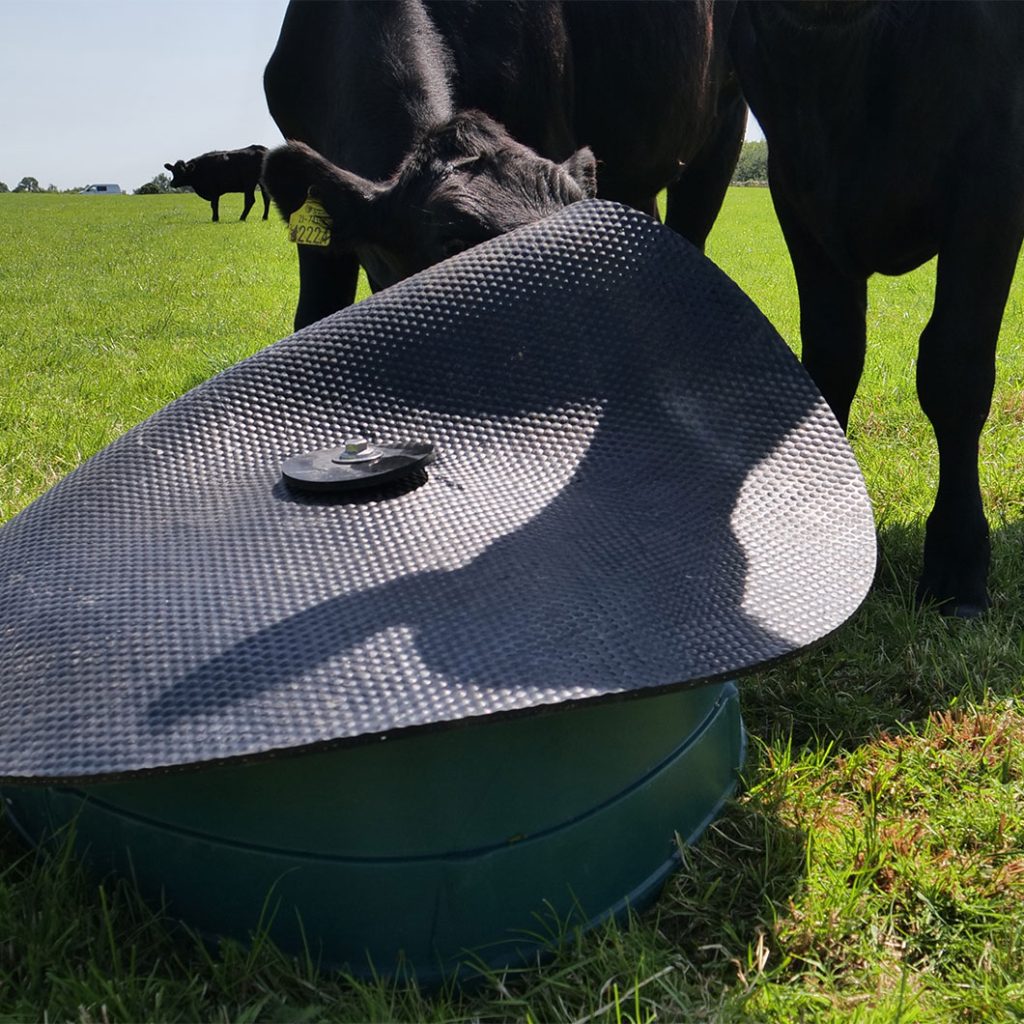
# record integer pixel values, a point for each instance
(867, 231)
(894, 245)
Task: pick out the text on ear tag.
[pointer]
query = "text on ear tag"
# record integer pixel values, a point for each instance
(310, 224)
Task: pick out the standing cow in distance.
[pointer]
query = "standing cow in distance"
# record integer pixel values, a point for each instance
(425, 127)
(896, 133)
(230, 170)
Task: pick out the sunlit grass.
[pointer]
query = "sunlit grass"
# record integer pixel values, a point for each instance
(872, 868)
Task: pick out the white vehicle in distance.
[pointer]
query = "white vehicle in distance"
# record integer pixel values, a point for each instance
(101, 190)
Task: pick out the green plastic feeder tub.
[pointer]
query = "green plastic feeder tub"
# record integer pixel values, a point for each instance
(432, 853)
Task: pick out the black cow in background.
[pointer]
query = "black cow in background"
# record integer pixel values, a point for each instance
(425, 127)
(896, 132)
(230, 170)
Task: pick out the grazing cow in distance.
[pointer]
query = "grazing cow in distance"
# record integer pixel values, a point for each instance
(425, 127)
(896, 133)
(230, 170)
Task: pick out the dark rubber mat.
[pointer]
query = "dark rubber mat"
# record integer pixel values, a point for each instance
(636, 486)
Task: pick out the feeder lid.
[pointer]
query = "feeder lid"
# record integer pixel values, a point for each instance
(635, 487)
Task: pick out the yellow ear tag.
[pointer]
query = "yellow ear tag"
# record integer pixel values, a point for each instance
(310, 224)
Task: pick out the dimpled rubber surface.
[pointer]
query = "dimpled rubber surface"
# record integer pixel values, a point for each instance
(636, 487)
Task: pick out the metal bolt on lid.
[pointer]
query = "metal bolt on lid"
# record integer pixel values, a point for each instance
(358, 449)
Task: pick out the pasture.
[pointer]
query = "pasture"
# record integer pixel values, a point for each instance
(871, 867)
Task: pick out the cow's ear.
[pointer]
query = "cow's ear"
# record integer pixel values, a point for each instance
(582, 168)
(293, 172)
(169, 167)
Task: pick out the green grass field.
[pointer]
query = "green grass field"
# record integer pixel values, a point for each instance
(872, 866)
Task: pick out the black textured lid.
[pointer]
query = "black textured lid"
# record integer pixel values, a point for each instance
(636, 486)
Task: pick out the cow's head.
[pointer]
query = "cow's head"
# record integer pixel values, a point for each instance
(181, 173)
(465, 181)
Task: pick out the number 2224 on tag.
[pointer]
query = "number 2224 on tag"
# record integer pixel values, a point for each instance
(310, 224)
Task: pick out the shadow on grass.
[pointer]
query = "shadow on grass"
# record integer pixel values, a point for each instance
(719, 911)
(894, 664)
(892, 667)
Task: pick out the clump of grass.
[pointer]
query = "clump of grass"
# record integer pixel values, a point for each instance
(914, 875)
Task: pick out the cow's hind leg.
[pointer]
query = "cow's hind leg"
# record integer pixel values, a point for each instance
(694, 200)
(955, 378)
(250, 199)
(833, 314)
(266, 202)
(215, 206)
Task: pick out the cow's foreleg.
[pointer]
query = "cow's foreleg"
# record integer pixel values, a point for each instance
(215, 206)
(327, 283)
(694, 200)
(250, 200)
(266, 202)
(833, 314)
(955, 378)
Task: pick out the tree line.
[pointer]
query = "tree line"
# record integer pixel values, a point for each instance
(751, 169)
(155, 186)
(752, 166)
(32, 185)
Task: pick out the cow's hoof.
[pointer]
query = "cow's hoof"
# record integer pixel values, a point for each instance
(952, 607)
(966, 610)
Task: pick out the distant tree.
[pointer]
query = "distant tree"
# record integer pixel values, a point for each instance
(159, 186)
(154, 187)
(752, 166)
(3, 187)
(27, 185)
(52, 188)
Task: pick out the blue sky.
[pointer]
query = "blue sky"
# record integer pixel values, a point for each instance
(110, 90)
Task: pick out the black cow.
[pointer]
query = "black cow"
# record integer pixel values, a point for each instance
(426, 126)
(227, 170)
(896, 132)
